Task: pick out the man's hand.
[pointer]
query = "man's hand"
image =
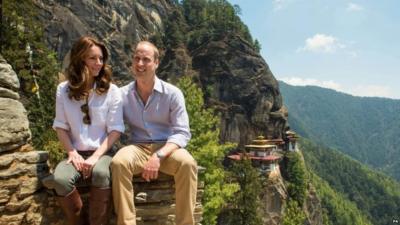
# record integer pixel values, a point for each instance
(76, 159)
(151, 167)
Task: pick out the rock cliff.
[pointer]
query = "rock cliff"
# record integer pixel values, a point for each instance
(238, 81)
(119, 24)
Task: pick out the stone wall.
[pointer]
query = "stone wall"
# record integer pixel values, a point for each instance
(24, 200)
(14, 123)
(21, 168)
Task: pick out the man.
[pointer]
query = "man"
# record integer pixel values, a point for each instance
(156, 114)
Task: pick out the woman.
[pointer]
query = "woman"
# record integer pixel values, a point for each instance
(88, 121)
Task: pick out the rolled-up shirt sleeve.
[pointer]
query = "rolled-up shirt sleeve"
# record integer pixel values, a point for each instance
(60, 121)
(179, 120)
(115, 113)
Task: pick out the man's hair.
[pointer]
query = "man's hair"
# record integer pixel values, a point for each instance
(155, 49)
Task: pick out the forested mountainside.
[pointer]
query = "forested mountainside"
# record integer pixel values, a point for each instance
(365, 128)
(351, 192)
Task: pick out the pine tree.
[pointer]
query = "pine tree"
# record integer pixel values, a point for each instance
(246, 208)
(36, 66)
(293, 214)
(208, 152)
(212, 20)
(257, 45)
(297, 177)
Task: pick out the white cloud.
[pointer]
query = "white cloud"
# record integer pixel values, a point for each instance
(359, 90)
(372, 91)
(278, 4)
(322, 43)
(297, 81)
(352, 7)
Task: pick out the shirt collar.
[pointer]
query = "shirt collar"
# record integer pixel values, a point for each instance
(157, 85)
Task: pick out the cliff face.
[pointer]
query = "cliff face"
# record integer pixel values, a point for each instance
(240, 84)
(273, 199)
(313, 208)
(119, 24)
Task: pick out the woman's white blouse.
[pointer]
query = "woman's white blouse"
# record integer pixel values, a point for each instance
(105, 113)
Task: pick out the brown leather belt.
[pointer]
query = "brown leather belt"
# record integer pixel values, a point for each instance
(85, 153)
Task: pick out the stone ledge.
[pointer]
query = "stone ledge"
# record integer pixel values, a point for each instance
(32, 157)
(154, 201)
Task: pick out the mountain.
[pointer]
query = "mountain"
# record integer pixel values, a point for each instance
(350, 192)
(365, 128)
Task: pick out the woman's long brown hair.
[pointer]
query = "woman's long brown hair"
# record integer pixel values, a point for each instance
(78, 74)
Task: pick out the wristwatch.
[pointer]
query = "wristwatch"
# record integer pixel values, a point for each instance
(160, 154)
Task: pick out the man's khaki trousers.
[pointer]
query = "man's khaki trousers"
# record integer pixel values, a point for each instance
(129, 161)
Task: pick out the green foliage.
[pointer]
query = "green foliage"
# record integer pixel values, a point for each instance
(175, 30)
(296, 175)
(375, 195)
(207, 150)
(195, 12)
(213, 20)
(367, 129)
(37, 72)
(54, 147)
(294, 215)
(174, 35)
(246, 207)
(337, 209)
(257, 45)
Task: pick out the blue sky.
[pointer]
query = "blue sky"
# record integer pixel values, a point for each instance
(349, 46)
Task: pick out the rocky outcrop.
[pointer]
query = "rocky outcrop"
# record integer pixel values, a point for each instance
(119, 24)
(238, 81)
(273, 198)
(312, 208)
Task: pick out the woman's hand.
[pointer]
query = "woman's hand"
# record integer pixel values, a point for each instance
(88, 165)
(76, 159)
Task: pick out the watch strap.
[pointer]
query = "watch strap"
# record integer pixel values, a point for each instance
(160, 154)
